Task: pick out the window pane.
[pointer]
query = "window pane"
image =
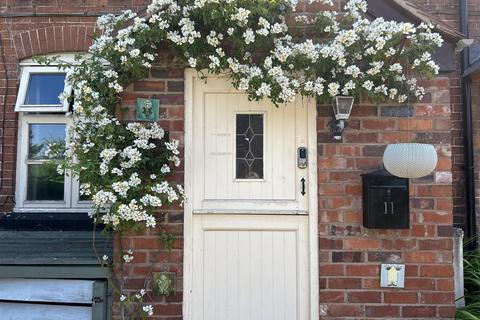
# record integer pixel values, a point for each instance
(44, 88)
(46, 141)
(249, 146)
(44, 183)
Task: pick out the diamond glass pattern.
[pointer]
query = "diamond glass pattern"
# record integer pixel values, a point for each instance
(249, 146)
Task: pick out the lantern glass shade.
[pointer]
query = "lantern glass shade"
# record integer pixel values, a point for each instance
(410, 160)
(342, 106)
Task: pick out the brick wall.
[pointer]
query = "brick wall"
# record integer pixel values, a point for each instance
(166, 84)
(8, 119)
(476, 140)
(350, 255)
(448, 11)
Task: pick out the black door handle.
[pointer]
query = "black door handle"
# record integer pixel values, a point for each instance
(303, 186)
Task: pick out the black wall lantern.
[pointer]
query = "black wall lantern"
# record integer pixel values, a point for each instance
(342, 107)
(385, 201)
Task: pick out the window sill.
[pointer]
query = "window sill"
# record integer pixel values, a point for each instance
(51, 210)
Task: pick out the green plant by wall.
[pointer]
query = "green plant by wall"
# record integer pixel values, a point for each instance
(471, 270)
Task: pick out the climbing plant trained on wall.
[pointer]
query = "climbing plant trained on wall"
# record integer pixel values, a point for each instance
(124, 167)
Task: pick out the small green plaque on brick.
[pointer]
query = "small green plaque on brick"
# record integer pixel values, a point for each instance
(164, 283)
(147, 109)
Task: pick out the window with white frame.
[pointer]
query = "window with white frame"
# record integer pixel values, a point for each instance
(39, 89)
(42, 138)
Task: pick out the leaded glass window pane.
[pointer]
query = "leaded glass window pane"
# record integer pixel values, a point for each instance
(249, 146)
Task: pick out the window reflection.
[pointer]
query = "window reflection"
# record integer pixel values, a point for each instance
(44, 88)
(44, 183)
(45, 142)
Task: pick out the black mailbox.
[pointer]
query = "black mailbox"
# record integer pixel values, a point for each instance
(385, 201)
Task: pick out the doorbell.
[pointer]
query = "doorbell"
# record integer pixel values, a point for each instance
(302, 157)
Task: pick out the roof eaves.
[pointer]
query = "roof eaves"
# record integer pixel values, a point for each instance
(417, 12)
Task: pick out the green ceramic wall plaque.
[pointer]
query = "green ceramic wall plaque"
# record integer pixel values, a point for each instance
(164, 283)
(147, 109)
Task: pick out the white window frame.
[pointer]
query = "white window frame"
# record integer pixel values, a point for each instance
(71, 201)
(27, 70)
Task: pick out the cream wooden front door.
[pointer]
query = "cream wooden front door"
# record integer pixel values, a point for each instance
(248, 233)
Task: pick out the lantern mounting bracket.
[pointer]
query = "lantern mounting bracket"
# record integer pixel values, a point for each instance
(337, 127)
(342, 107)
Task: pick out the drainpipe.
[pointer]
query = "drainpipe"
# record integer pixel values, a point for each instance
(470, 230)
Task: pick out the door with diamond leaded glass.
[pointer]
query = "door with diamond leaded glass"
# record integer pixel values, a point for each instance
(250, 217)
(245, 152)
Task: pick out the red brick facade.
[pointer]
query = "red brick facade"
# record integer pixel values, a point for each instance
(476, 139)
(448, 11)
(166, 84)
(350, 255)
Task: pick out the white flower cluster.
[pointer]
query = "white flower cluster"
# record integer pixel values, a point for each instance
(140, 294)
(103, 198)
(116, 199)
(85, 189)
(371, 37)
(148, 309)
(170, 192)
(151, 200)
(373, 42)
(241, 16)
(379, 58)
(130, 155)
(144, 135)
(173, 147)
(186, 34)
(129, 212)
(128, 256)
